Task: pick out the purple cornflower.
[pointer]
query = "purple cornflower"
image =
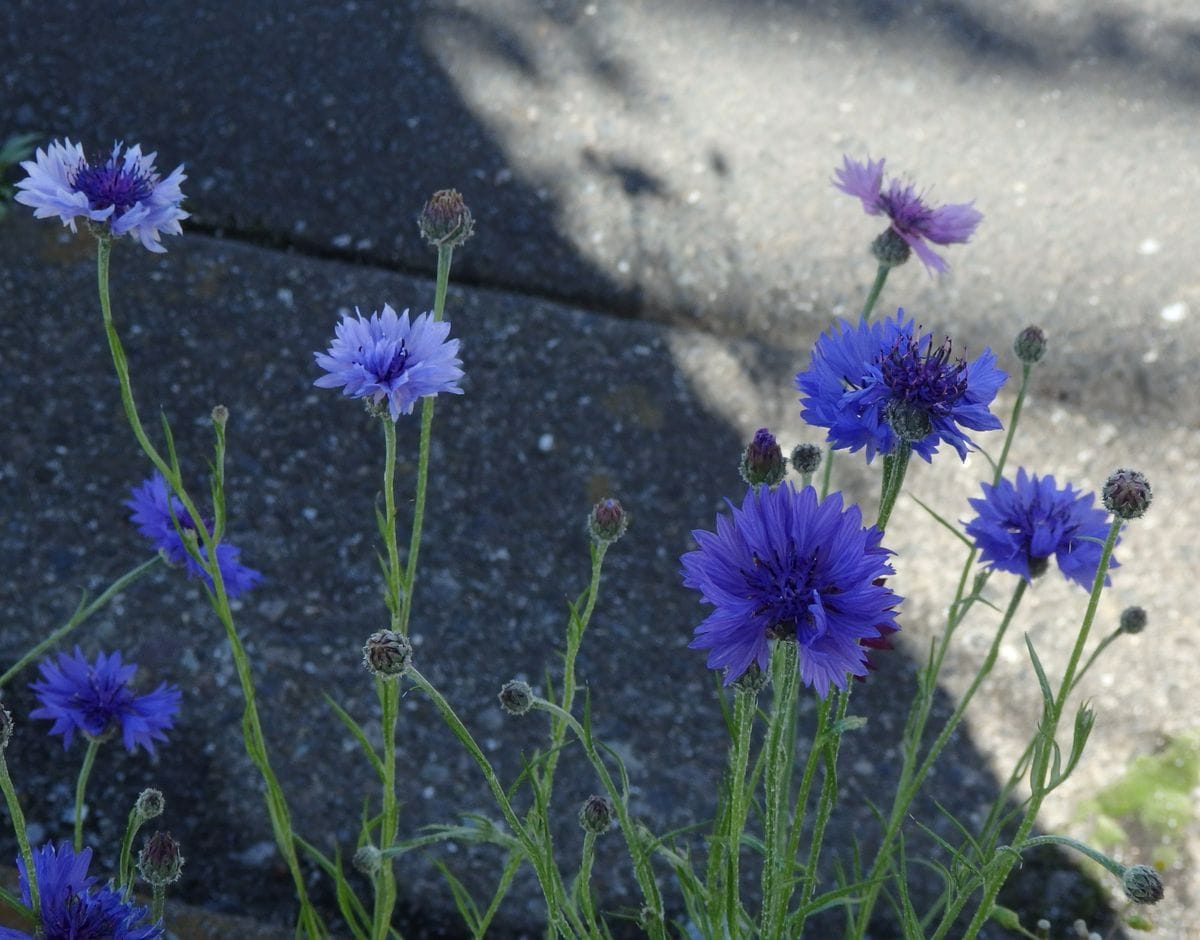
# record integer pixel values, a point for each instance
(71, 908)
(124, 192)
(94, 699)
(789, 567)
(153, 507)
(859, 372)
(387, 357)
(1019, 527)
(914, 221)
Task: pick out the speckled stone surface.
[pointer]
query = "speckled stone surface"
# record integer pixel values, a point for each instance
(662, 169)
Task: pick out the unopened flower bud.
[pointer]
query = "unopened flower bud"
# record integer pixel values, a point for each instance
(1127, 494)
(388, 654)
(6, 727)
(762, 460)
(890, 249)
(909, 422)
(220, 416)
(1133, 620)
(607, 522)
(446, 220)
(1030, 345)
(150, 804)
(806, 458)
(516, 697)
(1142, 884)
(159, 862)
(596, 815)
(368, 860)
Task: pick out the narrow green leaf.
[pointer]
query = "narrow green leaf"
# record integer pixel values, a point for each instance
(958, 535)
(359, 735)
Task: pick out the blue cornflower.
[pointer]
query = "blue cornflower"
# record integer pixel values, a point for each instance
(912, 218)
(95, 699)
(1019, 527)
(71, 908)
(124, 192)
(153, 506)
(786, 565)
(387, 357)
(858, 372)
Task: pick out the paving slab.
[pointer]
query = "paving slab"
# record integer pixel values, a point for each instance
(666, 161)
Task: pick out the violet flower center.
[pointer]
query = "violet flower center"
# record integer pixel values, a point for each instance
(929, 380)
(394, 366)
(109, 184)
(784, 589)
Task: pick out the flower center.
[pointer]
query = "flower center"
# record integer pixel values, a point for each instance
(394, 365)
(110, 184)
(783, 587)
(929, 380)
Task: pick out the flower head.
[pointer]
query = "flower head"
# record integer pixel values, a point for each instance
(71, 908)
(1019, 528)
(912, 219)
(124, 192)
(153, 507)
(862, 377)
(786, 565)
(96, 698)
(385, 357)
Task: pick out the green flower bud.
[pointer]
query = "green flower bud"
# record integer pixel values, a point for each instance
(596, 815)
(910, 423)
(1030, 345)
(1142, 884)
(607, 521)
(368, 860)
(762, 460)
(516, 697)
(150, 804)
(159, 862)
(446, 220)
(6, 727)
(1133, 620)
(388, 654)
(1127, 494)
(806, 458)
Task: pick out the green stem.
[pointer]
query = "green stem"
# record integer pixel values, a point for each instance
(18, 824)
(251, 726)
(998, 873)
(158, 902)
(895, 468)
(777, 867)
(541, 865)
(1026, 369)
(85, 771)
(125, 860)
(583, 884)
(1099, 858)
(827, 471)
(723, 876)
(881, 276)
(82, 613)
(825, 802)
(633, 841)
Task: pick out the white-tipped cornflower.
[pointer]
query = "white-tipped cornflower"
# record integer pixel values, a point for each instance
(385, 357)
(123, 194)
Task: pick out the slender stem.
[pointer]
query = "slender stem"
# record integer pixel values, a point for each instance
(540, 864)
(583, 883)
(252, 734)
(777, 867)
(125, 860)
(825, 802)
(881, 276)
(998, 874)
(827, 471)
(396, 585)
(1026, 369)
(1099, 858)
(81, 614)
(633, 841)
(723, 875)
(800, 807)
(158, 900)
(85, 771)
(892, 482)
(18, 824)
